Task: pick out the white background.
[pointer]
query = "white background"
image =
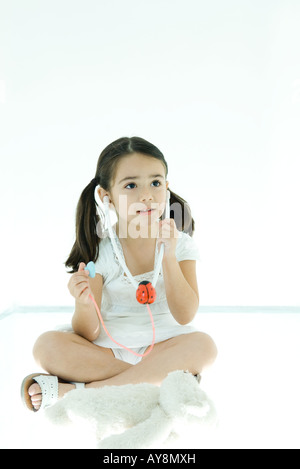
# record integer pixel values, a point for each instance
(215, 85)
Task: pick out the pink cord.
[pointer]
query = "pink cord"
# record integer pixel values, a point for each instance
(123, 346)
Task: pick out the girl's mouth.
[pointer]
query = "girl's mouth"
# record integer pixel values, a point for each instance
(145, 212)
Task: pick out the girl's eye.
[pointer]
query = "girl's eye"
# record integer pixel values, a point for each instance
(132, 185)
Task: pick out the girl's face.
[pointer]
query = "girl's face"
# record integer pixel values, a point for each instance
(138, 193)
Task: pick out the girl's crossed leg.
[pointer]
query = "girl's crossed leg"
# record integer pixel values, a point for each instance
(73, 358)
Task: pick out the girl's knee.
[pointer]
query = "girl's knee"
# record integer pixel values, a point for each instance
(204, 347)
(45, 346)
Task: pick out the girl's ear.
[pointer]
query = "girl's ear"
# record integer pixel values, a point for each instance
(102, 193)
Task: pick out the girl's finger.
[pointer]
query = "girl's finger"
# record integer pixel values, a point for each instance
(81, 266)
(82, 284)
(85, 291)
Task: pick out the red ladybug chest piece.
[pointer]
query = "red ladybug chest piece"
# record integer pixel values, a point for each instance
(145, 293)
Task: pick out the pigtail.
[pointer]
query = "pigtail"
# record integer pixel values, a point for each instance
(180, 211)
(86, 246)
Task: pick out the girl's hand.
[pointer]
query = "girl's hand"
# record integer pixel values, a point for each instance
(79, 285)
(168, 235)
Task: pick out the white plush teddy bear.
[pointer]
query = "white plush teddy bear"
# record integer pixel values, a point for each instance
(139, 415)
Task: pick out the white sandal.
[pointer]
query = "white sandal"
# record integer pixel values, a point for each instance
(49, 388)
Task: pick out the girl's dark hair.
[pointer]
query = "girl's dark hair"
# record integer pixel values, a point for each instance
(86, 246)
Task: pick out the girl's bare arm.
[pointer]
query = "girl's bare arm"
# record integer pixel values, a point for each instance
(181, 289)
(85, 321)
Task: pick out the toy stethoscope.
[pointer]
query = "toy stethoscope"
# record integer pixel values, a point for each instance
(145, 290)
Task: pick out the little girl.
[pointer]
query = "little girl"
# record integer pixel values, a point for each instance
(132, 173)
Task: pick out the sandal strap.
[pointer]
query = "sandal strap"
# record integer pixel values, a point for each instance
(78, 385)
(49, 388)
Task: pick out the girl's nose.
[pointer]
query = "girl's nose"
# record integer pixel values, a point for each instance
(145, 195)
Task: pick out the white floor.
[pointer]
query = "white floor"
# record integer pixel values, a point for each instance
(255, 382)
